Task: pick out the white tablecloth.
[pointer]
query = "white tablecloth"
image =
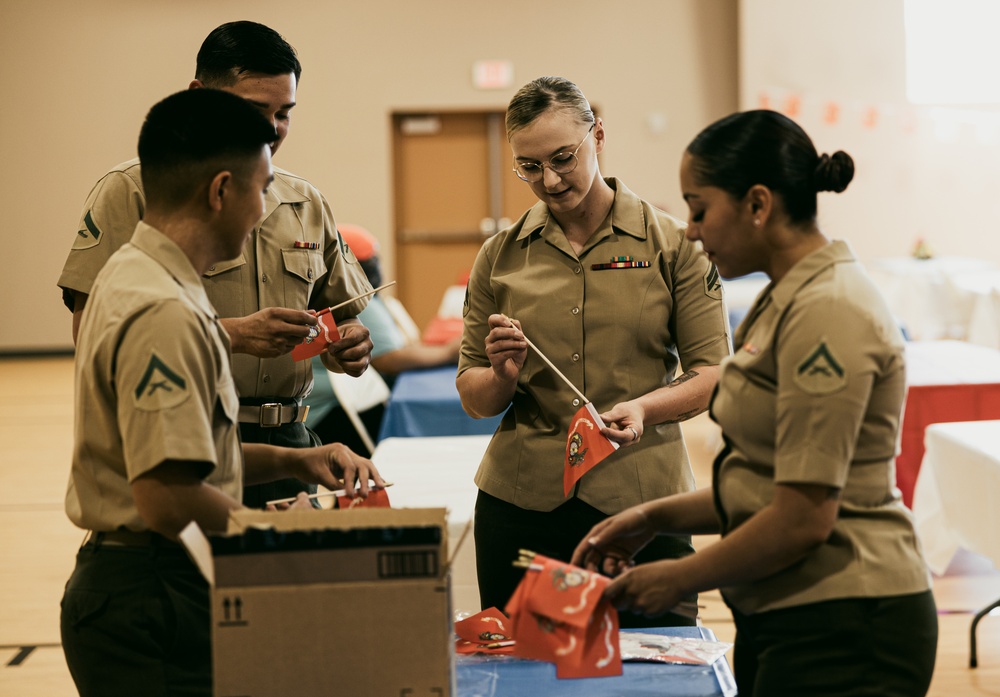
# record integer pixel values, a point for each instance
(438, 472)
(956, 503)
(935, 298)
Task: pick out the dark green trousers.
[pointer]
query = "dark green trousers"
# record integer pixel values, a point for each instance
(501, 529)
(856, 647)
(287, 436)
(135, 621)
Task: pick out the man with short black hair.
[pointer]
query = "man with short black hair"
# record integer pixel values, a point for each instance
(155, 437)
(294, 262)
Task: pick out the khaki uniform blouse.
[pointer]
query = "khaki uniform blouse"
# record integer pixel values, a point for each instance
(813, 395)
(271, 272)
(615, 334)
(153, 383)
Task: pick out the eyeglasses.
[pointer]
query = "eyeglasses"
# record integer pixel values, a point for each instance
(560, 163)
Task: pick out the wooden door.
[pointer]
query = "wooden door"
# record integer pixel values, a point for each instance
(453, 188)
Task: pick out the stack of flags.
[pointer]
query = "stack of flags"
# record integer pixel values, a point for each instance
(557, 614)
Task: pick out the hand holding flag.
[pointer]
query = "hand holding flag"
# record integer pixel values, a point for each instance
(325, 331)
(586, 446)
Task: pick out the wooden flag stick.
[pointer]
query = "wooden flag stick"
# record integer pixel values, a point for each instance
(338, 492)
(557, 371)
(551, 365)
(363, 295)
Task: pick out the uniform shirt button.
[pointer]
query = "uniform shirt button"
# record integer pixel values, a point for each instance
(576, 402)
(309, 273)
(577, 269)
(263, 277)
(211, 268)
(267, 378)
(575, 310)
(576, 357)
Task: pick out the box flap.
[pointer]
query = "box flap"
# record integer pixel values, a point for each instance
(296, 519)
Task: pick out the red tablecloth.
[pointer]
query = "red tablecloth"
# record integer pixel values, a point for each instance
(948, 381)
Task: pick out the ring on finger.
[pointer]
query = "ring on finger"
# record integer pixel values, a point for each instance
(635, 434)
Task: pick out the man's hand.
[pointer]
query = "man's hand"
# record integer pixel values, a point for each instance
(610, 545)
(353, 352)
(268, 333)
(336, 466)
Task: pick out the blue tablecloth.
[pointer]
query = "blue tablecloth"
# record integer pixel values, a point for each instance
(426, 403)
(502, 676)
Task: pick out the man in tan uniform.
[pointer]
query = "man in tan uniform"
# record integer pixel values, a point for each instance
(156, 441)
(294, 261)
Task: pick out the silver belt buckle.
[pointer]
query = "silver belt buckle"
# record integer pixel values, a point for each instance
(270, 415)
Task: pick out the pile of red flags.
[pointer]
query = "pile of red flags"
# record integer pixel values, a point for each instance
(485, 632)
(321, 335)
(557, 615)
(585, 446)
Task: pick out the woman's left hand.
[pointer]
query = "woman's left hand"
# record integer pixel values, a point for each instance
(623, 423)
(649, 589)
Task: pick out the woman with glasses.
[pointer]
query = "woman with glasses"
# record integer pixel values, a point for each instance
(608, 289)
(818, 560)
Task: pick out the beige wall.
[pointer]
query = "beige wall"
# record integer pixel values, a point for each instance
(78, 78)
(917, 174)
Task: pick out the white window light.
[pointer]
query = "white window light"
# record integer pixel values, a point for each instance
(952, 53)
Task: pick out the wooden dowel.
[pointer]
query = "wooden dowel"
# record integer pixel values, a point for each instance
(363, 295)
(321, 494)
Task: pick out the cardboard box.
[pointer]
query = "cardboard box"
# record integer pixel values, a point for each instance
(337, 602)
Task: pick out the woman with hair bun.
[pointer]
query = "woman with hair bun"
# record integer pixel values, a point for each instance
(818, 558)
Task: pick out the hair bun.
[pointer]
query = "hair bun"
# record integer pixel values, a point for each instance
(834, 172)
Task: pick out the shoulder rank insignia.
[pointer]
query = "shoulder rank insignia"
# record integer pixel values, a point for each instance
(160, 387)
(820, 372)
(89, 235)
(713, 283)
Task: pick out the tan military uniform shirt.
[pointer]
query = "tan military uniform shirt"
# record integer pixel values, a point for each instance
(153, 383)
(271, 272)
(615, 333)
(813, 395)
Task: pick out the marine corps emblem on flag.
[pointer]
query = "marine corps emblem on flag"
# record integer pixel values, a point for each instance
(586, 446)
(321, 335)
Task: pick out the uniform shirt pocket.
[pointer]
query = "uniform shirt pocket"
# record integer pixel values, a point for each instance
(303, 267)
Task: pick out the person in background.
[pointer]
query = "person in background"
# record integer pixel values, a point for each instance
(818, 559)
(618, 334)
(155, 437)
(293, 265)
(393, 350)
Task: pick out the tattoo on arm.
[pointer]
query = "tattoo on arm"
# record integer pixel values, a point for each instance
(685, 416)
(684, 378)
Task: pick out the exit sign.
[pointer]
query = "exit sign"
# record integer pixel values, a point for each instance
(493, 74)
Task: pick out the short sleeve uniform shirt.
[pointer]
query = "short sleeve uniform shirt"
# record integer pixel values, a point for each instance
(295, 258)
(615, 333)
(813, 395)
(153, 383)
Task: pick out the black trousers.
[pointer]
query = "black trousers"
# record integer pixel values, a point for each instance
(855, 647)
(288, 436)
(502, 529)
(135, 621)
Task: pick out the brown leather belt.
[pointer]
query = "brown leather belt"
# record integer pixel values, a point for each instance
(272, 414)
(127, 538)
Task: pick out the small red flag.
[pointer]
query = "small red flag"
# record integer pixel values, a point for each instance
(377, 498)
(320, 336)
(585, 447)
(485, 632)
